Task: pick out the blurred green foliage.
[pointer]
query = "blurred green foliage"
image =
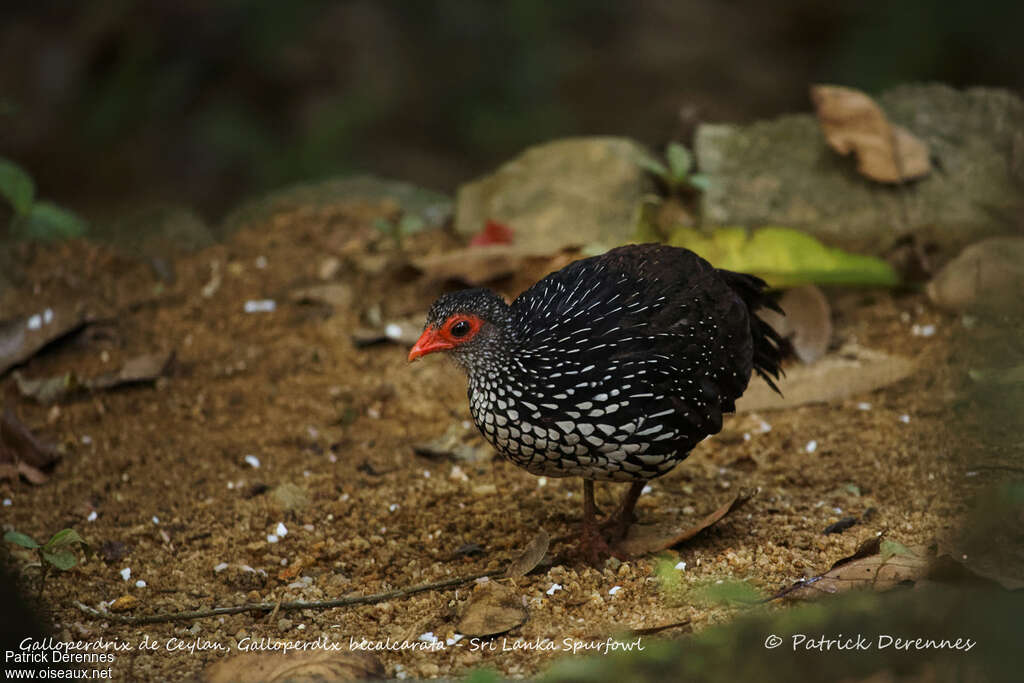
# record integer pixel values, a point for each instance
(31, 218)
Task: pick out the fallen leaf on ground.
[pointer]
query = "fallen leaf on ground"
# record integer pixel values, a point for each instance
(21, 452)
(877, 565)
(493, 233)
(457, 443)
(853, 122)
(848, 372)
(336, 295)
(124, 603)
(145, 368)
(784, 257)
(477, 265)
(23, 337)
(531, 556)
(491, 609)
(807, 322)
(295, 667)
(645, 540)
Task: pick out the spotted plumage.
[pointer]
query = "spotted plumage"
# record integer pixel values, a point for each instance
(612, 368)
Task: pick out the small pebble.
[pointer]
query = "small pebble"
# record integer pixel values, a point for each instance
(261, 262)
(811, 446)
(554, 587)
(272, 538)
(156, 520)
(393, 331)
(392, 507)
(281, 530)
(91, 518)
(681, 566)
(905, 419)
(252, 461)
(647, 489)
(126, 573)
(220, 567)
(260, 305)
(8, 502)
(86, 439)
(863, 405)
(140, 584)
(542, 481)
(614, 589)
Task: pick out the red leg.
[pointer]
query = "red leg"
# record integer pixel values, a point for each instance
(618, 524)
(593, 548)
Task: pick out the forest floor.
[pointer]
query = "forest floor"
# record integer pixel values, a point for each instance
(332, 424)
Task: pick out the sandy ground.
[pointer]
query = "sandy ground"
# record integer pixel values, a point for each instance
(164, 466)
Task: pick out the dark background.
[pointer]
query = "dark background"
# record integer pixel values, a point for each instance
(115, 105)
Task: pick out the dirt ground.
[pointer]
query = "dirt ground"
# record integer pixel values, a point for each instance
(164, 466)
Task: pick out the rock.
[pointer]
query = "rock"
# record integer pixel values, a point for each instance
(573, 192)
(430, 207)
(807, 322)
(782, 172)
(988, 275)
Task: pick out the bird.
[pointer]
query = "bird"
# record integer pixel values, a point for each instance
(611, 369)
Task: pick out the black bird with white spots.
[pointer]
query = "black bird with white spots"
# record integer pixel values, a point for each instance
(612, 368)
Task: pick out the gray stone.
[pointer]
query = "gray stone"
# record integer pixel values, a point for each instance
(781, 172)
(431, 207)
(988, 275)
(574, 192)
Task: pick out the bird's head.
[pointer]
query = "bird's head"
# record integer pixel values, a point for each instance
(468, 323)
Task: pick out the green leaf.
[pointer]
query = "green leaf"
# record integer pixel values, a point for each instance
(699, 181)
(1014, 375)
(18, 538)
(784, 257)
(728, 592)
(62, 559)
(680, 161)
(889, 548)
(652, 165)
(64, 537)
(16, 186)
(47, 221)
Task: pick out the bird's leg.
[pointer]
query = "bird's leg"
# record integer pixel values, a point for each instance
(592, 547)
(618, 524)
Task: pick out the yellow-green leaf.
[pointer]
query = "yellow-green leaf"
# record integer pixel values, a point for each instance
(784, 257)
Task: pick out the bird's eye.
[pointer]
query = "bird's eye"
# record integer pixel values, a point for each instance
(461, 328)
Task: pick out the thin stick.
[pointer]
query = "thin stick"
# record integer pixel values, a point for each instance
(286, 606)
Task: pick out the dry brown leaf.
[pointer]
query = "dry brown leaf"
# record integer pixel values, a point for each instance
(21, 452)
(853, 122)
(21, 338)
(490, 610)
(531, 556)
(867, 568)
(478, 265)
(335, 294)
(124, 603)
(642, 541)
(144, 368)
(807, 322)
(295, 667)
(848, 372)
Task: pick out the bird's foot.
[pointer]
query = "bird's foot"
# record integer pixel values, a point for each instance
(594, 547)
(616, 527)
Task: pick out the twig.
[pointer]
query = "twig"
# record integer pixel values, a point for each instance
(286, 606)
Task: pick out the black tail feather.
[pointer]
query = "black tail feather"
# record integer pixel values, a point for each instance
(768, 344)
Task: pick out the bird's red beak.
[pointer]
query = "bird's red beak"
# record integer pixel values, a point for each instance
(429, 342)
